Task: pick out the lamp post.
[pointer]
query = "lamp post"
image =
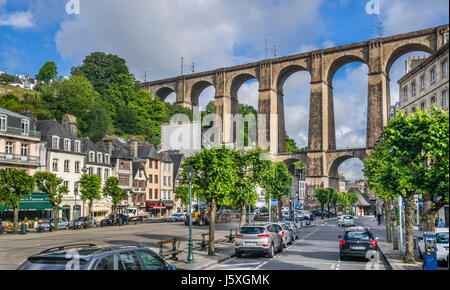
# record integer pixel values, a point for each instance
(75, 192)
(190, 177)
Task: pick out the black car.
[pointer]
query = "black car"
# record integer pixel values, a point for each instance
(357, 242)
(92, 257)
(109, 221)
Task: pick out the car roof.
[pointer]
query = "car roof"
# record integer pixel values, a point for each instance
(441, 230)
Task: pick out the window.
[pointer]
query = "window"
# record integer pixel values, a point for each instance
(55, 165)
(156, 179)
(164, 182)
(422, 83)
(405, 94)
(66, 144)
(150, 193)
(150, 179)
(106, 174)
(9, 148)
(24, 151)
(140, 173)
(444, 69)
(433, 100)
(444, 99)
(77, 146)
(77, 166)
(91, 157)
(413, 89)
(55, 143)
(25, 127)
(150, 163)
(99, 158)
(130, 261)
(422, 106)
(170, 195)
(91, 170)
(169, 181)
(156, 194)
(107, 159)
(66, 165)
(3, 122)
(66, 183)
(433, 76)
(106, 263)
(156, 164)
(151, 261)
(99, 172)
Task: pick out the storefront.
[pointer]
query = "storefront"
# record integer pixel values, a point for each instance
(170, 205)
(155, 208)
(34, 206)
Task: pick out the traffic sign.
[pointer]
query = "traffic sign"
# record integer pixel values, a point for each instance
(297, 204)
(274, 202)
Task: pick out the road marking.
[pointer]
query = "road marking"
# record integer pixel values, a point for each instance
(333, 266)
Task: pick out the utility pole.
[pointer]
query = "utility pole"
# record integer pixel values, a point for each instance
(182, 60)
(381, 29)
(274, 51)
(145, 76)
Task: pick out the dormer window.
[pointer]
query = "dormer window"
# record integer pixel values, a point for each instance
(91, 157)
(55, 142)
(3, 122)
(67, 144)
(77, 146)
(99, 158)
(106, 158)
(25, 127)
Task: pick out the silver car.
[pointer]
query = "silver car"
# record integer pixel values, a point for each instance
(259, 238)
(285, 233)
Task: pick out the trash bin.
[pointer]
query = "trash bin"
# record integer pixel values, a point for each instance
(24, 229)
(120, 222)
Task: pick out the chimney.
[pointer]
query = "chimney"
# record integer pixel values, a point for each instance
(70, 123)
(134, 148)
(32, 116)
(109, 147)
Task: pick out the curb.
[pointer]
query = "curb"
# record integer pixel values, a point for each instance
(391, 266)
(221, 260)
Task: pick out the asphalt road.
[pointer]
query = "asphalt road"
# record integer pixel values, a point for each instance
(317, 249)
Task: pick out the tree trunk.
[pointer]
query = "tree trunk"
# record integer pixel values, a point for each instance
(394, 226)
(16, 220)
(115, 214)
(410, 207)
(335, 211)
(243, 215)
(280, 214)
(322, 205)
(429, 215)
(212, 227)
(90, 213)
(387, 220)
(328, 210)
(55, 218)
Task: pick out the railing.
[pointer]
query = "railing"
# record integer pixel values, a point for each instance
(19, 132)
(19, 159)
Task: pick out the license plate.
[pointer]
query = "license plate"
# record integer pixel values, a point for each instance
(249, 244)
(357, 248)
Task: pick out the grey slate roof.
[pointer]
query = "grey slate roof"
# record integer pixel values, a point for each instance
(50, 128)
(12, 114)
(136, 166)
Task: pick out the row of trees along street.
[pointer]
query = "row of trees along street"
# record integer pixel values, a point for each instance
(227, 177)
(411, 157)
(18, 184)
(331, 197)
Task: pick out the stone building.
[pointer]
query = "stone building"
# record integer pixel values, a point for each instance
(425, 83)
(166, 189)
(20, 143)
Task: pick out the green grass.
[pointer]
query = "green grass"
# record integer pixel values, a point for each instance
(4, 89)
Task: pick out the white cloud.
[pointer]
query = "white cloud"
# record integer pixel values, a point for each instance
(18, 20)
(159, 32)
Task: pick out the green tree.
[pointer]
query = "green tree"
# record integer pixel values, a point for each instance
(353, 199)
(323, 197)
(334, 198)
(277, 182)
(98, 123)
(6, 79)
(14, 185)
(215, 177)
(53, 186)
(48, 72)
(90, 186)
(112, 189)
(291, 146)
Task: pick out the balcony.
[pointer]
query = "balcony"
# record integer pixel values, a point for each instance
(14, 159)
(18, 132)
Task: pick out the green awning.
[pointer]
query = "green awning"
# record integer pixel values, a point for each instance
(34, 202)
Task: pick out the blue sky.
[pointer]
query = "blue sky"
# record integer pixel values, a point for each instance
(153, 35)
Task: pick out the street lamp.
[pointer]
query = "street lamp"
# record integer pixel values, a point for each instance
(75, 192)
(190, 177)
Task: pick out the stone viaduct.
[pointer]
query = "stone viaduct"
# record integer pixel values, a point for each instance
(322, 158)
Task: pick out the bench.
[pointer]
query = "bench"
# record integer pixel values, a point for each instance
(231, 236)
(174, 250)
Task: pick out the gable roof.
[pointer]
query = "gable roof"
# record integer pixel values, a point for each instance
(12, 114)
(89, 145)
(53, 128)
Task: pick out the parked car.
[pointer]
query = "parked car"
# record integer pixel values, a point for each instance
(110, 219)
(92, 257)
(347, 221)
(318, 212)
(82, 222)
(176, 217)
(259, 238)
(286, 215)
(357, 242)
(293, 230)
(441, 245)
(63, 224)
(284, 231)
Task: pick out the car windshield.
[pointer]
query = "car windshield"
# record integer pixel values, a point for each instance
(357, 236)
(53, 264)
(348, 217)
(442, 238)
(252, 230)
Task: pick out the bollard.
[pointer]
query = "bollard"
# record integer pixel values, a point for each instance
(120, 222)
(23, 229)
(203, 244)
(230, 237)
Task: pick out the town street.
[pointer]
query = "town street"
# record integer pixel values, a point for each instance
(317, 249)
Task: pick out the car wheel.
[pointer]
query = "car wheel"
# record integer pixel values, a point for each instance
(238, 254)
(420, 255)
(271, 253)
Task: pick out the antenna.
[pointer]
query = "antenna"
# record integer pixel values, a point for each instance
(381, 29)
(193, 67)
(145, 76)
(182, 60)
(274, 51)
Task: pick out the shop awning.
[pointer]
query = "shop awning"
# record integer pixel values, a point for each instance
(168, 203)
(34, 202)
(155, 205)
